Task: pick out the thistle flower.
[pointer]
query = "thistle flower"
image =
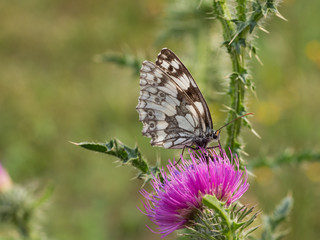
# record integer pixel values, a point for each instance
(5, 180)
(178, 194)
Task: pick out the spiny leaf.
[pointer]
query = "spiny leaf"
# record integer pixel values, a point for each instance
(125, 154)
(114, 148)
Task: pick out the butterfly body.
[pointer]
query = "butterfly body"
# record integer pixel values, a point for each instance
(171, 107)
(203, 140)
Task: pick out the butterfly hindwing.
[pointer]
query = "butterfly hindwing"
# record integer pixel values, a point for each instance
(171, 107)
(166, 116)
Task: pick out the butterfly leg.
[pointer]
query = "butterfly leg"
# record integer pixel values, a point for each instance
(193, 148)
(207, 156)
(183, 152)
(180, 155)
(213, 147)
(218, 146)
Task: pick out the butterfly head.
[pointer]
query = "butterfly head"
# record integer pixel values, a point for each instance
(216, 135)
(213, 135)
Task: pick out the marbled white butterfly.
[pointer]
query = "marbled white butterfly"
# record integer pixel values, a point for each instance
(171, 107)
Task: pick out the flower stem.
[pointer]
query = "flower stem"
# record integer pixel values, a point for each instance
(241, 10)
(236, 29)
(237, 78)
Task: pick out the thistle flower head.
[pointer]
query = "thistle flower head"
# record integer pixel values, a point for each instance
(178, 194)
(5, 180)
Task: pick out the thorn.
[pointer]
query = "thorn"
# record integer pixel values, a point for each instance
(258, 59)
(251, 174)
(229, 108)
(245, 153)
(74, 143)
(199, 4)
(235, 36)
(280, 16)
(255, 133)
(264, 30)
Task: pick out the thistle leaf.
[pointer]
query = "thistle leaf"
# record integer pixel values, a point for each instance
(125, 154)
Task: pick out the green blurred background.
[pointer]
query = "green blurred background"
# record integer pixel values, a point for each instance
(52, 92)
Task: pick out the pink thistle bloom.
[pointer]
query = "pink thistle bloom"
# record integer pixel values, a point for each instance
(177, 197)
(5, 180)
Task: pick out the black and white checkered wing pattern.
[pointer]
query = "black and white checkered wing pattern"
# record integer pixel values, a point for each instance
(171, 64)
(171, 112)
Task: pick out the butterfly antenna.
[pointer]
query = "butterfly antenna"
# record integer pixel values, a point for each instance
(233, 121)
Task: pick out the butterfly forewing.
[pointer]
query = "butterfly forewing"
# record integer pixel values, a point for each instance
(171, 107)
(172, 65)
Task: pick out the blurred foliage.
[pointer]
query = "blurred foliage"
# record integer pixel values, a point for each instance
(21, 212)
(286, 157)
(124, 59)
(273, 222)
(52, 92)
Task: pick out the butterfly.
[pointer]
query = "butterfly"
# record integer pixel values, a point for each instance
(171, 107)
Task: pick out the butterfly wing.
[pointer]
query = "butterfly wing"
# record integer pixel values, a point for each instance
(171, 106)
(167, 117)
(171, 64)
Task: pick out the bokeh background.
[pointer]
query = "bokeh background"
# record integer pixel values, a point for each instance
(53, 91)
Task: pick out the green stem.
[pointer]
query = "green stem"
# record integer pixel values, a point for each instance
(242, 10)
(222, 13)
(237, 92)
(236, 40)
(236, 86)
